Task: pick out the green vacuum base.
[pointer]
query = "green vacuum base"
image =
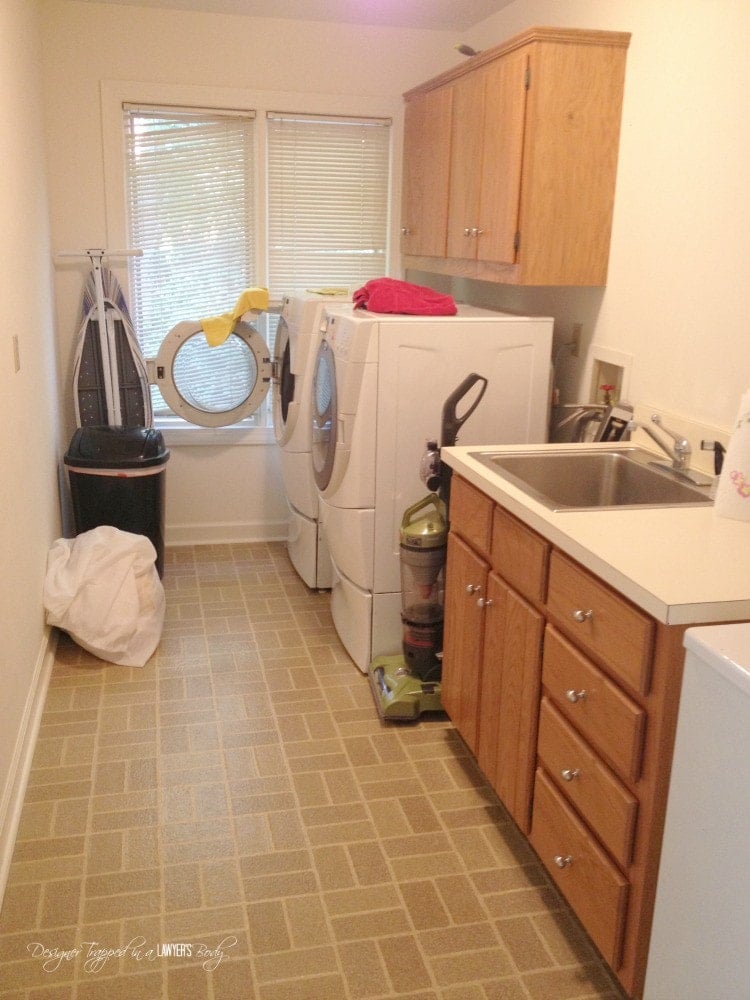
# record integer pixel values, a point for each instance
(398, 694)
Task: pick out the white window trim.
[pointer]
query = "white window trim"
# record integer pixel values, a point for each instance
(115, 93)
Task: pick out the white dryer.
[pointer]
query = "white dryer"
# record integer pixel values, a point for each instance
(378, 391)
(297, 338)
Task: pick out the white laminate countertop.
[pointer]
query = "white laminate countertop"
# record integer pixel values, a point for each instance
(683, 565)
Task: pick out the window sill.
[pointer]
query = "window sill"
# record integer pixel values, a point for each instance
(178, 433)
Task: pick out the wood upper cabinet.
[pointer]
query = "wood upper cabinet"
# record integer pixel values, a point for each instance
(486, 158)
(532, 148)
(465, 157)
(424, 205)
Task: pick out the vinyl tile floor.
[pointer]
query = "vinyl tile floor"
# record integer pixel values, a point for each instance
(233, 820)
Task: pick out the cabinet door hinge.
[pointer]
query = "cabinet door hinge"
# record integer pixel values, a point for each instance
(517, 241)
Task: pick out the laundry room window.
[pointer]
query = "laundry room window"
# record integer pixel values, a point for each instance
(327, 200)
(190, 191)
(221, 200)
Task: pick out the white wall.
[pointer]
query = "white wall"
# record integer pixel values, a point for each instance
(161, 51)
(678, 295)
(676, 299)
(28, 406)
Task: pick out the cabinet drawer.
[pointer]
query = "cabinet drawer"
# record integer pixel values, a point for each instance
(471, 514)
(603, 801)
(609, 720)
(519, 555)
(601, 621)
(584, 874)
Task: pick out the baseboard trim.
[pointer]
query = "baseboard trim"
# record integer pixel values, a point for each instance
(223, 534)
(18, 776)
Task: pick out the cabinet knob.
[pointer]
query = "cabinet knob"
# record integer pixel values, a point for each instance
(405, 231)
(473, 588)
(563, 860)
(467, 231)
(485, 602)
(575, 696)
(583, 616)
(477, 232)
(570, 773)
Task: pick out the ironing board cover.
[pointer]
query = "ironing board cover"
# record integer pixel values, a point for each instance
(118, 361)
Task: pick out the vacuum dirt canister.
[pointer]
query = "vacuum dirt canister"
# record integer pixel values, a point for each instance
(423, 539)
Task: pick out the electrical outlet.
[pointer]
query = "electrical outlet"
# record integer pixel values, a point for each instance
(576, 335)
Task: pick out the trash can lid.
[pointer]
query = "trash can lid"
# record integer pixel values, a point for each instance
(116, 448)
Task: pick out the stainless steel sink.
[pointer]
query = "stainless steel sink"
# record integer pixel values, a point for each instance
(595, 480)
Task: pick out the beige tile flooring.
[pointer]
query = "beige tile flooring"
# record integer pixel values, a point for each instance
(240, 795)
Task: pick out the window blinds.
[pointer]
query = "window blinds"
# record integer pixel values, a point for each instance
(190, 201)
(328, 182)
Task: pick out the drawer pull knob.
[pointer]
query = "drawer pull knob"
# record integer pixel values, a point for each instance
(484, 602)
(575, 696)
(563, 860)
(569, 773)
(473, 588)
(583, 616)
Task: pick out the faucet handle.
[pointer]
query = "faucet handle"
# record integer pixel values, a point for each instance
(681, 443)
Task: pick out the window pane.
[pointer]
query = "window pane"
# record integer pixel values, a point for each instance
(327, 201)
(190, 200)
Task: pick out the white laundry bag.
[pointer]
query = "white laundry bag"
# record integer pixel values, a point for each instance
(103, 589)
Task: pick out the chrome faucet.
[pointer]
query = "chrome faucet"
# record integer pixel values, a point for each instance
(679, 452)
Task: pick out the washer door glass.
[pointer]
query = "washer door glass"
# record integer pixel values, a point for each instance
(324, 407)
(213, 386)
(283, 395)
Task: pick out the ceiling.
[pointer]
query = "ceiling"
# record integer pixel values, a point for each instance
(439, 15)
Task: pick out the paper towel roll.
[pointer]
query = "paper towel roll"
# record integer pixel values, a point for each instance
(733, 493)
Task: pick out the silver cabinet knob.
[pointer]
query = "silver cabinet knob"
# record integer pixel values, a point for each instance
(473, 588)
(467, 231)
(405, 231)
(563, 860)
(575, 696)
(485, 602)
(477, 232)
(583, 616)
(570, 773)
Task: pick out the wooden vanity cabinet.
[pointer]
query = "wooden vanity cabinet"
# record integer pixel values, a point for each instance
(463, 644)
(532, 150)
(567, 695)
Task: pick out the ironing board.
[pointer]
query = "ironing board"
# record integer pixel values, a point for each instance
(110, 380)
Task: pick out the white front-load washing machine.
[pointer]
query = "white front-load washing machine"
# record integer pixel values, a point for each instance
(379, 385)
(297, 338)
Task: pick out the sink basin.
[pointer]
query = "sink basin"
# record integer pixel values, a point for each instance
(595, 480)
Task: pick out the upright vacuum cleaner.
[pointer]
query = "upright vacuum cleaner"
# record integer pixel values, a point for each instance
(407, 684)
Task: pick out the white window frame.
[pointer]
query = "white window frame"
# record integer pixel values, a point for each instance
(115, 93)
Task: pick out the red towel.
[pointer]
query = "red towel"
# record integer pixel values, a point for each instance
(388, 295)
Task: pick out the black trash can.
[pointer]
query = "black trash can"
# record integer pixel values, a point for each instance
(117, 476)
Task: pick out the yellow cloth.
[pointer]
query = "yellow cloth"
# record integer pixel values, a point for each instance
(218, 328)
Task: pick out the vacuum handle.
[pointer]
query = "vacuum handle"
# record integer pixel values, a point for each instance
(452, 423)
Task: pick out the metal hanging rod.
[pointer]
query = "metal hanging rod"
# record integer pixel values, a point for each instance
(98, 253)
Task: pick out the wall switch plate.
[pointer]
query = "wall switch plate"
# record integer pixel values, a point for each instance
(16, 354)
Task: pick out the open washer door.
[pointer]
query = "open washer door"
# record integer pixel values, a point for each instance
(212, 386)
(284, 410)
(324, 416)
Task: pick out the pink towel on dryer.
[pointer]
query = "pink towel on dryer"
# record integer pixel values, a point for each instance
(389, 295)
